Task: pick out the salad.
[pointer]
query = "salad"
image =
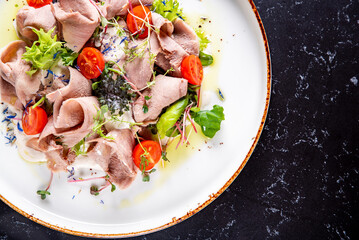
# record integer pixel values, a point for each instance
(113, 81)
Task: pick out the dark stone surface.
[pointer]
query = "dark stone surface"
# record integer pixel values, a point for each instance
(302, 180)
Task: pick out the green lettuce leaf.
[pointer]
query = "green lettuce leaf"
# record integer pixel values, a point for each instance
(209, 120)
(168, 9)
(203, 40)
(68, 56)
(44, 51)
(47, 51)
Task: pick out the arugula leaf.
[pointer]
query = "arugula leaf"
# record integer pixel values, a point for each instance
(203, 40)
(206, 59)
(170, 117)
(168, 9)
(209, 120)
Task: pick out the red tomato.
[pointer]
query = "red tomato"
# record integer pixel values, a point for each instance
(91, 62)
(192, 69)
(34, 120)
(38, 3)
(150, 159)
(138, 25)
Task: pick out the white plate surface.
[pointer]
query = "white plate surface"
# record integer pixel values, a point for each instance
(190, 181)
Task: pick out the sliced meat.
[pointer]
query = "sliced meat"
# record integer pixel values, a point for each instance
(78, 20)
(163, 24)
(139, 70)
(75, 119)
(28, 18)
(115, 156)
(186, 37)
(166, 91)
(113, 8)
(171, 54)
(58, 78)
(59, 158)
(13, 70)
(78, 86)
(8, 94)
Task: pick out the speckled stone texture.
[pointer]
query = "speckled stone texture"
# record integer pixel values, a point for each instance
(302, 179)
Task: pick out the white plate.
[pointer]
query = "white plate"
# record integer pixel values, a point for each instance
(192, 180)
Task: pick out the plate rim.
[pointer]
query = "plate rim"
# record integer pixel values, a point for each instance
(212, 197)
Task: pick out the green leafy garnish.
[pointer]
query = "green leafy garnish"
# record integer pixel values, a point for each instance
(168, 9)
(145, 108)
(170, 117)
(44, 51)
(146, 175)
(143, 163)
(206, 59)
(100, 120)
(113, 187)
(80, 148)
(203, 40)
(164, 156)
(68, 56)
(95, 85)
(94, 191)
(47, 51)
(209, 120)
(146, 178)
(43, 193)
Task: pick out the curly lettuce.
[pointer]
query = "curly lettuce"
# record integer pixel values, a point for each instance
(203, 40)
(168, 9)
(47, 51)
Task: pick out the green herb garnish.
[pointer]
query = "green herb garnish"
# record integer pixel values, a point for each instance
(43, 193)
(47, 51)
(94, 191)
(168, 9)
(145, 108)
(209, 120)
(206, 59)
(203, 40)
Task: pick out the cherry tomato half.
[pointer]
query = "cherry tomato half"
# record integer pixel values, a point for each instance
(34, 120)
(137, 25)
(38, 3)
(91, 62)
(149, 160)
(192, 69)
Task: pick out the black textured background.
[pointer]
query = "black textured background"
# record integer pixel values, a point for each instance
(302, 179)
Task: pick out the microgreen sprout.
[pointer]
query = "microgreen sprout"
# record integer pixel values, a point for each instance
(44, 193)
(39, 102)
